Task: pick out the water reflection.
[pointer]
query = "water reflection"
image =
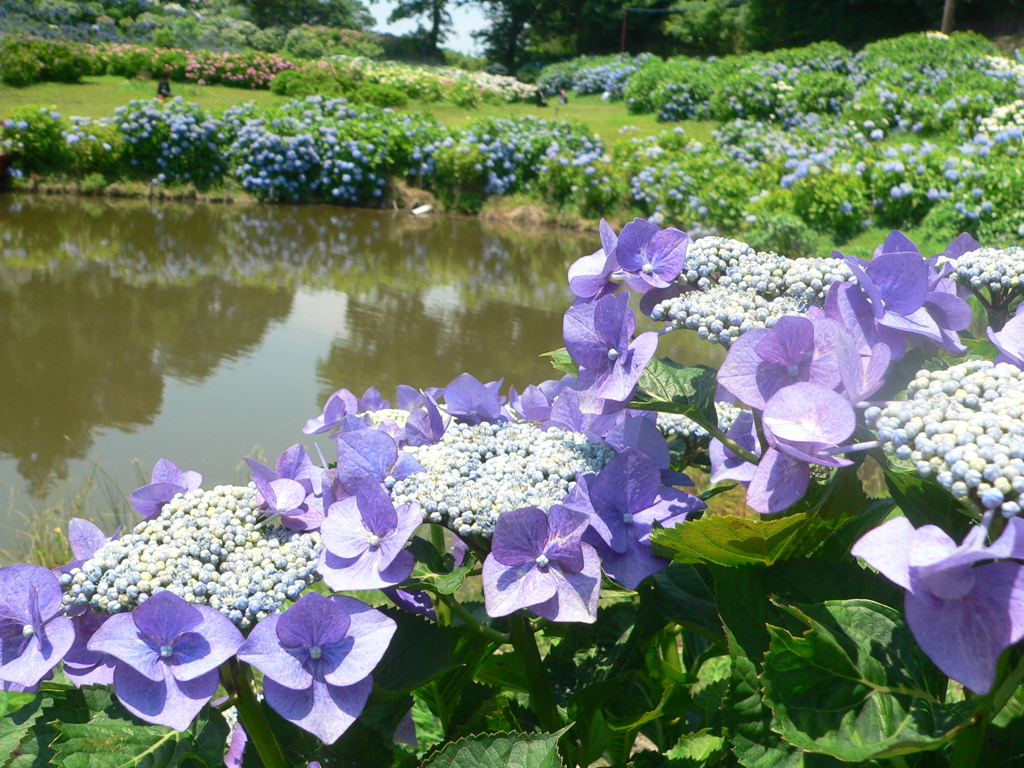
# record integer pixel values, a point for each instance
(130, 330)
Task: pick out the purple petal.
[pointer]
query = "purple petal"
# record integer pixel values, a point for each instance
(370, 632)
(38, 654)
(965, 637)
(312, 621)
(631, 567)
(236, 748)
(726, 465)
(324, 710)
(412, 600)
(365, 452)
(778, 483)
(166, 471)
(738, 374)
(149, 500)
(471, 402)
(902, 280)
(366, 572)
(85, 538)
(625, 486)
(120, 638)
(887, 549)
(520, 536)
(1010, 341)
(212, 643)
(576, 594)
(509, 588)
(164, 616)
(806, 412)
(262, 649)
(169, 702)
(566, 527)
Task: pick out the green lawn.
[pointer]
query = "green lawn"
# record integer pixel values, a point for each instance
(100, 96)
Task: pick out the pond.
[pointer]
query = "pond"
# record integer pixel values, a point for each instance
(131, 330)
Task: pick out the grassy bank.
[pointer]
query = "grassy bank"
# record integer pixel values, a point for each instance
(99, 96)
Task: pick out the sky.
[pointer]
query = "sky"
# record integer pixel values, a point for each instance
(465, 21)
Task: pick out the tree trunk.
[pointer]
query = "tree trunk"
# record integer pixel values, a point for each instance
(948, 16)
(435, 26)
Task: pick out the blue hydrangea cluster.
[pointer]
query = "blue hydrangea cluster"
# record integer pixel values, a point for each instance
(209, 547)
(513, 153)
(475, 473)
(175, 142)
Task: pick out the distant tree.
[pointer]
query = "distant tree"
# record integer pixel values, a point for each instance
(438, 20)
(509, 32)
(349, 14)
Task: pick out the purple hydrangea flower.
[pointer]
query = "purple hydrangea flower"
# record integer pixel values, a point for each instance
(371, 453)
(33, 634)
(539, 561)
(167, 655)
(963, 614)
(902, 294)
(726, 465)
(85, 538)
(425, 425)
(342, 404)
(761, 361)
(469, 401)
(590, 277)
(623, 502)
(292, 489)
(804, 424)
(317, 658)
(167, 482)
(364, 540)
(597, 336)
(650, 257)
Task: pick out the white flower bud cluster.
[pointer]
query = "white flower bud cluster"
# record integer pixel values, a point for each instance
(740, 289)
(675, 426)
(208, 547)
(720, 314)
(475, 473)
(962, 426)
(994, 269)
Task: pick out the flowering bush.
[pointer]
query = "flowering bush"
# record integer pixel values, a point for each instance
(329, 603)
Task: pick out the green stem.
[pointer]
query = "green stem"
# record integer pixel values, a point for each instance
(470, 620)
(731, 444)
(670, 651)
(253, 720)
(1007, 687)
(971, 741)
(542, 700)
(444, 614)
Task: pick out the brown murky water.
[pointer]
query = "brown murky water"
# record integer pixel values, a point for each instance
(203, 333)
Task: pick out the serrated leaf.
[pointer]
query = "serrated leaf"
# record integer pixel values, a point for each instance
(562, 361)
(14, 726)
(117, 743)
(672, 388)
(855, 685)
(695, 750)
(729, 540)
(499, 750)
(980, 348)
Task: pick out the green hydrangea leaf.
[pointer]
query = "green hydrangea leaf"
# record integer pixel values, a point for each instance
(499, 750)
(562, 361)
(855, 685)
(672, 388)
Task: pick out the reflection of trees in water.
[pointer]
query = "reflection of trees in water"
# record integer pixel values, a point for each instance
(398, 338)
(99, 299)
(81, 351)
(314, 246)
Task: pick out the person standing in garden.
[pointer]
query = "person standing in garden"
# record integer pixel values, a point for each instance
(163, 88)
